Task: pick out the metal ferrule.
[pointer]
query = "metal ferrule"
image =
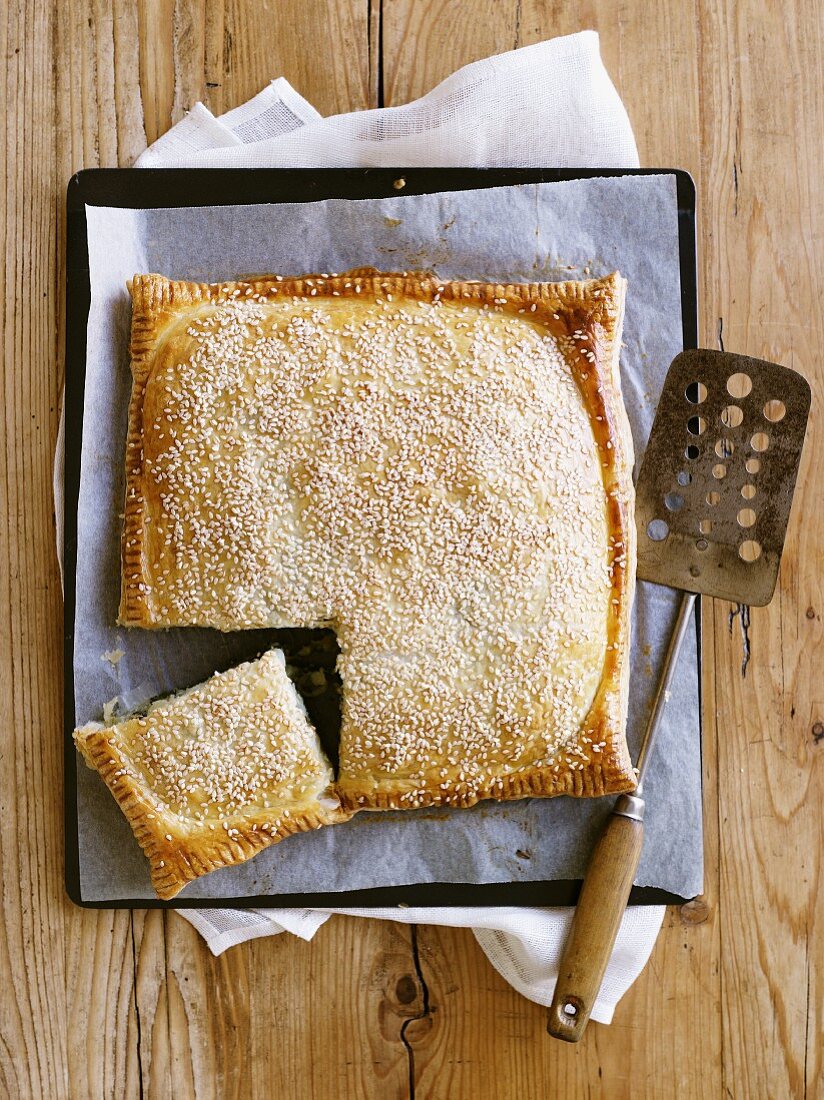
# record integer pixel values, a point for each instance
(631, 806)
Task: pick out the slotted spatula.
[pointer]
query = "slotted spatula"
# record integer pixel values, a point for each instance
(712, 504)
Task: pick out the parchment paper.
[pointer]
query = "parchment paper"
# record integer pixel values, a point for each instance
(531, 232)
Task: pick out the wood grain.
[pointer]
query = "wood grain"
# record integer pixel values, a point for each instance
(759, 135)
(113, 1004)
(33, 1016)
(598, 915)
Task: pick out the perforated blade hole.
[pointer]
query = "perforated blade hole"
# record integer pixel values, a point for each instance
(658, 529)
(760, 441)
(746, 517)
(707, 497)
(724, 448)
(739, 385)
(728, 428)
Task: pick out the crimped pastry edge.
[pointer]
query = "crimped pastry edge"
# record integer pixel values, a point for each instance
(585, 317)
(187, 856)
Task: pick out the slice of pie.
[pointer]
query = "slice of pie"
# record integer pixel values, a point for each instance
(441, 471)
(209, 777)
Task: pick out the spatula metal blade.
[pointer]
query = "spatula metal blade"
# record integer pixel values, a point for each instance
(716, 483)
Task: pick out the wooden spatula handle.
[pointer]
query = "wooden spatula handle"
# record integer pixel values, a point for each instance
(603, 899)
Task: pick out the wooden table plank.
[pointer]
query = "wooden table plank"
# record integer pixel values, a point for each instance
(763, 226)
(226, 51)
(33, 1020)
(338, 1005)
(105, 1004)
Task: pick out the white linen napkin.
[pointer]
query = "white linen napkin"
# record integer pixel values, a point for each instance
(548, 104)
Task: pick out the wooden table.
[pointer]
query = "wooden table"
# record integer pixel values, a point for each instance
(105, 1004)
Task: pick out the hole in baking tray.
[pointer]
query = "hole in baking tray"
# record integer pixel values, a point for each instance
(713, 498)
(696, 425)
(731, 416)
(657, 529)
(760, 441)
(752, 465)
(674, 501)
(692, 452)
(748, 491)
(775, 410)
(705, 526)
(746, 517)
(739, 385)
(719, 470)
(683, 478)
(749, 550)
(695, 393)
(724, 448)
(701, 544)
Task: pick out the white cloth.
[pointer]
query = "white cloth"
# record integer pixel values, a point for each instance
(548, 104)
(523, 944)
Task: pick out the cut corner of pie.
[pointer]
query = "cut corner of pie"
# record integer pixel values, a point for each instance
(209, 777)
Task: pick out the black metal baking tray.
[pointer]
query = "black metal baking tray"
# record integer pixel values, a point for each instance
(174, 187)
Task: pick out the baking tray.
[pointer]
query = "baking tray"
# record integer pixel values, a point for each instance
(177, 187)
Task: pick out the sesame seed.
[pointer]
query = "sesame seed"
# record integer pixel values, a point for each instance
(420, 476)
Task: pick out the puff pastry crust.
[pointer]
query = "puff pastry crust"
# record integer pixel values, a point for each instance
(439, 470)
(209, 777)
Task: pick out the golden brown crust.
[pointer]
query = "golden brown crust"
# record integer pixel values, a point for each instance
(173, 863)
(178, 847)
(584, 319)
